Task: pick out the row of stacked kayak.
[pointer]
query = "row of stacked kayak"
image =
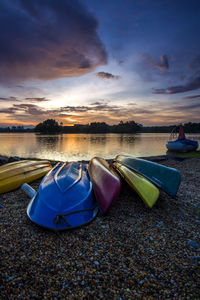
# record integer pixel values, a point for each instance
(71, 194)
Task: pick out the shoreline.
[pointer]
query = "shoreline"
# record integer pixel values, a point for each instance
(155, 158)
(132, 252)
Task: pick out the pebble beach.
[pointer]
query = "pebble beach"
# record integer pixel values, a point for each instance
(133, 252)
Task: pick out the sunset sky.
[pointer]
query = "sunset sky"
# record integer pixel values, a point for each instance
(99, 60)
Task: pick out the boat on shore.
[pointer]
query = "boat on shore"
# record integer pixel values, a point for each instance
(64, 199)
(14, 174)
(165, 178)
(147, 191)
(106, 182)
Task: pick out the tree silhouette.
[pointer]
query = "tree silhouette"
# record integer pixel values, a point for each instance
(49, 126)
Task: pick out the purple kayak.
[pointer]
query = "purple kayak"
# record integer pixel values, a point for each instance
(106, 182)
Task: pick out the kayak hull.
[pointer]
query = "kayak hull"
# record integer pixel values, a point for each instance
(165, 178)
(147, 191)
(13, 175)
(64, 199)
(106, 183)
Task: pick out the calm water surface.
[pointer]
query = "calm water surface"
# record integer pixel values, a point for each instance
(70, 147)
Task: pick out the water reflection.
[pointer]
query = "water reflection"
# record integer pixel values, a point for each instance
(98, 139)
(126, 138)
(47, 142)
(73, 147)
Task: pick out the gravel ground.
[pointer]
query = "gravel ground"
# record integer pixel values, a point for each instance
(131, 253)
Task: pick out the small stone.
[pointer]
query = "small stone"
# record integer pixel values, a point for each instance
(193, 244)
(151, 250)
(159, 223)
(195, 258)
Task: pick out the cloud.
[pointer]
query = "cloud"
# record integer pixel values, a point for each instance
(9, 110)
(47, 39)
(32, 99)
(105, 75)
(41, 99)
(30, 109)
(163, 65)
(9, 99)
(106, 112)
(190, 86)
(192, 97)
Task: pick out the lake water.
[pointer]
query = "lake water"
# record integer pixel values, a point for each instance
(73, 147)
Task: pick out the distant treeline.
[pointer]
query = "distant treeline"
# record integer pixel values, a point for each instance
(188, 128)
(16, 129)
(51, 126)
(102, 127)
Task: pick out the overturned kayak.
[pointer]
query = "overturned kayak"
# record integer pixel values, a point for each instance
(105, 181)
(64, 199)
(13, 175)
(147, 191)
(167, 179)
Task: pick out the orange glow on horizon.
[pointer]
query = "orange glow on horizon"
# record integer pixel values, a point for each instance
(17, 123)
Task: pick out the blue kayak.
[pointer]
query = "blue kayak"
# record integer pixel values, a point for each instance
(168, 179)
(64, 199)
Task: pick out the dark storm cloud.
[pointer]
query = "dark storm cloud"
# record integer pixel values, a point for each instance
(163, 65)
(47, 39)
(105, 75)
(190, 86)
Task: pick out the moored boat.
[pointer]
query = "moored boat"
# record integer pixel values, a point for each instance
(181, 144)
(105, 181)
(64, 199)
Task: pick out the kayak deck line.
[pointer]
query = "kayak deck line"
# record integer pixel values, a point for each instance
(68, 172)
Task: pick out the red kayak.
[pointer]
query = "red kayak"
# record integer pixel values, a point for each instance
(106, 182)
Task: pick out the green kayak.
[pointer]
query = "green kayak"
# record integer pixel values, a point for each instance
(167, 179)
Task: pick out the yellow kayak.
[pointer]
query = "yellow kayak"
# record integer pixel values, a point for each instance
(147, 191)
(13, 175)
